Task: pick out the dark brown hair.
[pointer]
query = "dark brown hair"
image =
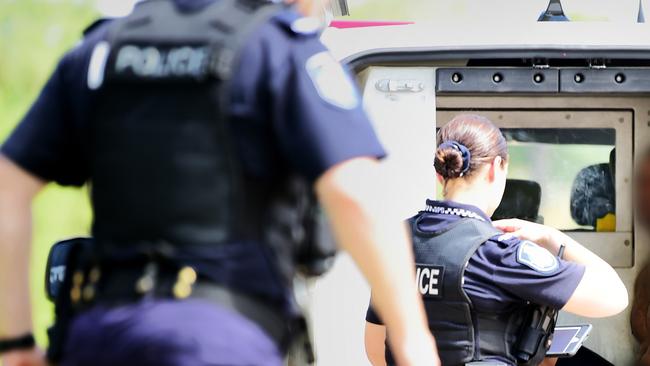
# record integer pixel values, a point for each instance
(478, 134)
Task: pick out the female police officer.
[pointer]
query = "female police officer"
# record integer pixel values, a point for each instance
(145, 134)
(475, 280)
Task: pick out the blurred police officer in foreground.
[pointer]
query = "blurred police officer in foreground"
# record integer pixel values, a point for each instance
(185, 181)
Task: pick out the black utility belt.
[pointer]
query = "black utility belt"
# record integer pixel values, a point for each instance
(124, 286)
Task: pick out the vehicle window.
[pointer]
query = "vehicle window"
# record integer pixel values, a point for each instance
(561, 177)
(574, 170)
(570, 170)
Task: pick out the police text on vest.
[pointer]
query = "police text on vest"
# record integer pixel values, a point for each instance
(428, 280)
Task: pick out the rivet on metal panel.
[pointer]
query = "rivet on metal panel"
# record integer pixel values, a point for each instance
(619, 78)
(626, 180)
(578, 78)
(500, 116)
(568, 116)
(621, 120)
(627, 243)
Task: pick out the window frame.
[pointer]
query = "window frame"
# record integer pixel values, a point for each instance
(614, 247)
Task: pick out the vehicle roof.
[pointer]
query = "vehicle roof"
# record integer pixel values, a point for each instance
(353, 43)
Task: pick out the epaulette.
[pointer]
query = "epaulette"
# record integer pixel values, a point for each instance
(506, 238)
(299, 25)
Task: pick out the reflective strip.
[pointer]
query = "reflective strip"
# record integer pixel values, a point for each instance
(453, 211)
(97, 65)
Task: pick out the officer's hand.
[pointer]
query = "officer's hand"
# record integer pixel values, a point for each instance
(526, 230)
(31, 357)
(416, 350)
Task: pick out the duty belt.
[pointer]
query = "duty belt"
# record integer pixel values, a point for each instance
(128, 285)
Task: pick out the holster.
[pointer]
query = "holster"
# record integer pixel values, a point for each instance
(536, 335)
(297, 231)
(65, 259)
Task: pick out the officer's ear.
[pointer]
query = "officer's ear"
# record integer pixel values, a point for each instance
(497, 168)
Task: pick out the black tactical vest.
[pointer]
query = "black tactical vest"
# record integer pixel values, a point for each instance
(462, 334)
(164, 171)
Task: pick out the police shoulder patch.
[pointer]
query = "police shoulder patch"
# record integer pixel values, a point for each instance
(536, 258)
(332, 83)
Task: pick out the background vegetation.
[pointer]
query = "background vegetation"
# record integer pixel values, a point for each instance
(33, 36)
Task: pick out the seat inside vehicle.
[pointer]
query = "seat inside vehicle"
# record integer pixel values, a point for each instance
(593, 195)
(521, 200)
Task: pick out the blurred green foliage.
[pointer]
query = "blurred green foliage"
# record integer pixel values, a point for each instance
(33, 36)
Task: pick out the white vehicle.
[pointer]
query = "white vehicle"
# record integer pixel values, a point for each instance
(574, 102)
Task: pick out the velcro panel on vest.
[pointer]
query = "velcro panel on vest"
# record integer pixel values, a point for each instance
(449, 314)
(161, 168)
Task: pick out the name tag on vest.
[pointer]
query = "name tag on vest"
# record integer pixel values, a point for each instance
(429, 279)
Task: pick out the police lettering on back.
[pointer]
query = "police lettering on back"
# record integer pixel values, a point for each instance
(160, 63)
(428, 280)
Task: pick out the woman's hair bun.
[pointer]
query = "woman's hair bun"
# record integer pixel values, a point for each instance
(448, 162)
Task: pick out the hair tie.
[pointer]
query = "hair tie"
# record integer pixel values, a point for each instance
(464, 152)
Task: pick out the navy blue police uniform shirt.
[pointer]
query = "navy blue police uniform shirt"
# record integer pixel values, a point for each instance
(293, 108)
(505, 271)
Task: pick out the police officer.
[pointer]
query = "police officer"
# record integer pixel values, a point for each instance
(185, 180)
(476, 280)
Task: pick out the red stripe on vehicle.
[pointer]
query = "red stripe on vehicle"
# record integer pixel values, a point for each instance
(342, 24)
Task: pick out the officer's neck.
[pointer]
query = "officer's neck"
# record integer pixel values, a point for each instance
(461, 192)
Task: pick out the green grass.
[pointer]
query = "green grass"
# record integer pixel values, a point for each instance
(33, 36)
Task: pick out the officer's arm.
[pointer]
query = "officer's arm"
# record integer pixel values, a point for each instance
(600, 292)
(353, 194)
(17, 188)
(375, 340)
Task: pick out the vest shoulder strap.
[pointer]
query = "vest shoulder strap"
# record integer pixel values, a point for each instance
(451, 250)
